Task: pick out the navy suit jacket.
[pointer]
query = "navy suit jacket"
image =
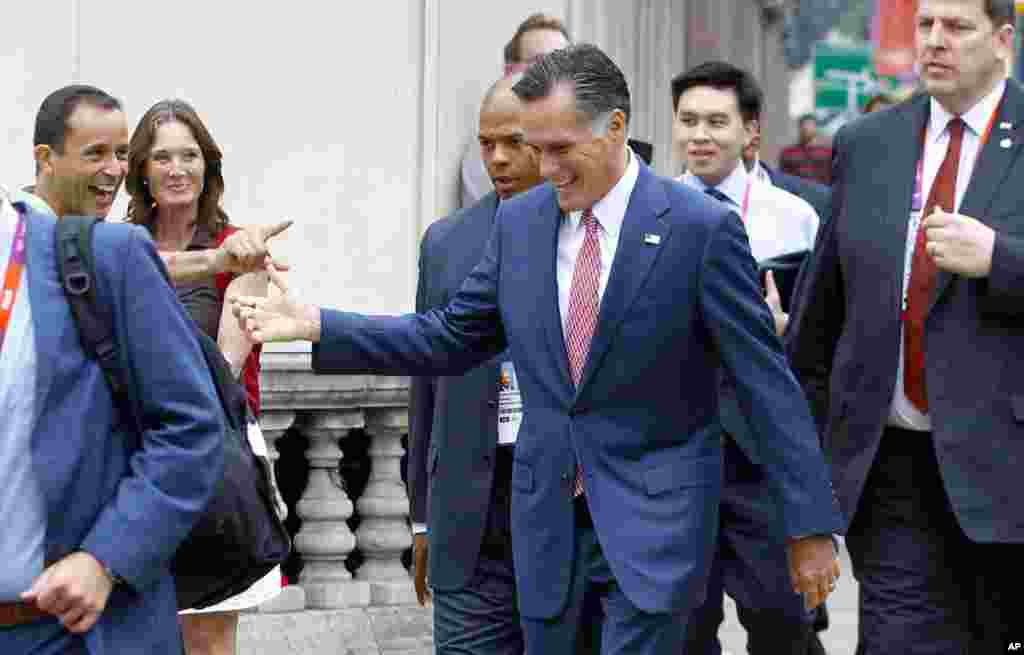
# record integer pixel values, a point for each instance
(683, 295)
(453, 421)
(128, 499)
(845, 336)
(816, 195)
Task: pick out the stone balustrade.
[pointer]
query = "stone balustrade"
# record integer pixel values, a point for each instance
(354, 594)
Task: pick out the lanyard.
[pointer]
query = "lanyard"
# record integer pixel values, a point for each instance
(12, 276)
(746, 201)
(918, 200)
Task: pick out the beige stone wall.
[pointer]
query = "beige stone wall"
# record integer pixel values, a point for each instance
(350, 117)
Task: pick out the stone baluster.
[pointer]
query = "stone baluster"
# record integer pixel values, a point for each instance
(274, 423)
(383, 532)
(325, 541)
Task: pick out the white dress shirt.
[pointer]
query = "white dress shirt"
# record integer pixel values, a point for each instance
(777, 222)
(903, 413)
(609, 212)
(21, 497)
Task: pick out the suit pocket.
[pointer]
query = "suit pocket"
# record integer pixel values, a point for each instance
(1018, 408)
(522, 477)
(683, 472)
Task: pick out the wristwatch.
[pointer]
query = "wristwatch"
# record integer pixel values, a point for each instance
(115, 580)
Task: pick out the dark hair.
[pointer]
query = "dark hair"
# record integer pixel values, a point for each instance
(52, 119)
(141, 208)
(598, 84)
(1000, 12)
(539, 21)
(724, 77)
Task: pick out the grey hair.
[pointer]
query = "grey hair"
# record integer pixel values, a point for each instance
(600, 87)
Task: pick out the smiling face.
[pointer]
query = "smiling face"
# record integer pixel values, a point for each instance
(84, 176)
(709, 134)
(960, 51)
(582, 166)
(175, 169)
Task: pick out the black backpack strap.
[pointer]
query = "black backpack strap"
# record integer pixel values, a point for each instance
(76, 268)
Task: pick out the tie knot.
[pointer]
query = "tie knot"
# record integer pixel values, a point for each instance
(717, 195)
(956, 127)
(588, 220)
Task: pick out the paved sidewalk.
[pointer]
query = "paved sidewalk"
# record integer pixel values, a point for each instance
(839, 639)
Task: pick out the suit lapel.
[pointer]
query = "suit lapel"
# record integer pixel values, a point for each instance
(992, 167)
(896, 182)
(634, 256)
(551, 221)
(49, 322)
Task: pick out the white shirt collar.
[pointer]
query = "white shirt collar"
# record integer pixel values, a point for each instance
(976, 117)
(611, 210)
(760, 172)
(733, 186)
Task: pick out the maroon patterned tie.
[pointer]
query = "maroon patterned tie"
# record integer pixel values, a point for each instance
(923, 272)
(583, 309)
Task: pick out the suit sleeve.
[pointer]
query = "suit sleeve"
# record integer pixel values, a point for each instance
(1005, 285)
(178, 459)
(421, 401)
(741, 326)
(446, 341)
(818, 313)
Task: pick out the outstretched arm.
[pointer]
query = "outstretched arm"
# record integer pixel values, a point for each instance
(447, 341)
(245, 251)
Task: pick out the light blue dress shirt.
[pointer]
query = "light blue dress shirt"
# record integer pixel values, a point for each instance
(21, 499)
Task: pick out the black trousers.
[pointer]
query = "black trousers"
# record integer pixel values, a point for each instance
(925, 588)
(751, 565)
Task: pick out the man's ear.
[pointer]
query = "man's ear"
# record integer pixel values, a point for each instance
(753, 131)
(617, 126)
(43, 154)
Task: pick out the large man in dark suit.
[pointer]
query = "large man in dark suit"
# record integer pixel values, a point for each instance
(460, 462)
(618, 293)
(913, 307)
(95, 501)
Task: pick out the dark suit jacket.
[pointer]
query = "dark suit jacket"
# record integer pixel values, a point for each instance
(127, 498)
(816, 195)
(733, 420)
(683, 296)
(848, 322)
(453, 420)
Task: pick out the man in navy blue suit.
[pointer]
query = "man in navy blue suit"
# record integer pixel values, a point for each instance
(463, 429)
(618, 294)
(95, 500)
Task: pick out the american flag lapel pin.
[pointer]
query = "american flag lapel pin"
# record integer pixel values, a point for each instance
(652, 239)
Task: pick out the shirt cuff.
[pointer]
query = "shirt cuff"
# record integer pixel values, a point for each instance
(419, 528)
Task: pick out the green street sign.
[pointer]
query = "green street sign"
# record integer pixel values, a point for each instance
(845, 78)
